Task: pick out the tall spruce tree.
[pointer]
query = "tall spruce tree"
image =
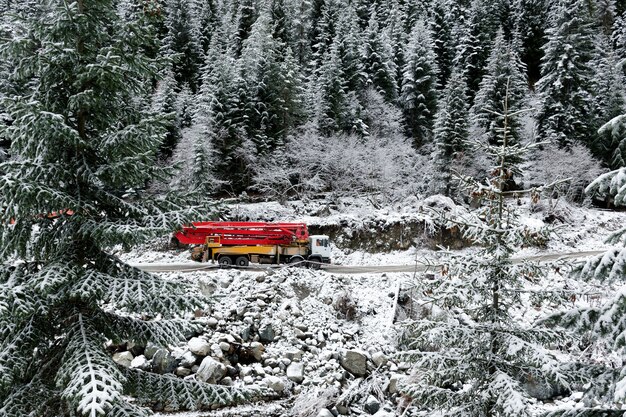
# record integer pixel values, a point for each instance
(418, 96)
(441, 27)
(451, 130)
(566, 113)
(377, 58)
(531, 21)
(82, 153)
(609, 87)
(602, 325)
(473, 358)
(505, 78)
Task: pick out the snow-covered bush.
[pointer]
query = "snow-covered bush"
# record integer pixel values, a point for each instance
(575, 163)
(343, 164)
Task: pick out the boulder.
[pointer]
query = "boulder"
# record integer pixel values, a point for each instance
(210, 371)
(140, 362)
(150, 350)
(275, 383)
(182, 371)
(395, 379)
(257, 350)
(163, 362)
(295, 372)
(354, 362)
(325, 412)
(372, 405)
(267, 334)
(199, 346)
(379, 359)
(123, 358)
(188, 359)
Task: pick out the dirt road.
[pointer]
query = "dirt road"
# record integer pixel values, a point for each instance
(347, 269)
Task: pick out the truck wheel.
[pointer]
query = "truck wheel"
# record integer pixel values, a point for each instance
(242, 261)
(315, 263)
(225, 261)
(297, 261)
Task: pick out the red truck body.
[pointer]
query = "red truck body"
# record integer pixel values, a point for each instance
(244, 233)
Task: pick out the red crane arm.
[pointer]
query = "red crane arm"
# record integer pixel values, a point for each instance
(244, 233)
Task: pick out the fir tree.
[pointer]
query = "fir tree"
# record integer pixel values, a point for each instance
(603, 326)
(442, 41)
(419, 85)
(531, 21)
(82, 152)
(377, 58)
(473, 358)
(609, 88)
(451, 130)
(566, 113)
(183, 41)
(505, 78)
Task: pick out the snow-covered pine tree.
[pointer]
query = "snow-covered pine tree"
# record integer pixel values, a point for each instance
(473, 357)
(566, 112)
(164, 102)
(83, 150)
(443, 46)
(451, 131)
(531, 21)
(183, 39)
(609, 86)
(377, 58)
(603, 325)
(505, 77)
(418, 96)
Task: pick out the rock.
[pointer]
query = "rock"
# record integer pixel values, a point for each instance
(135, 349)
(163, 362)
(225, 346)
(123, 358)
(392, 388)
(325, 412)
(343, 410)
(140, 362)
(354, 362)
(211, 322)
(216, 351)
(199, 346)
(182, 371)
(302, 327)
(275, 383)
(150, 350)
(379, 359)
(228, 381)
(257, 350)
(384, 413)
(294, 355)
(295, 372)
(210, 371)
(372, 405)
(188, 359)
(267, 334)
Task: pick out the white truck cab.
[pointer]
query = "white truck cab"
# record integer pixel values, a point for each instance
(319, 246)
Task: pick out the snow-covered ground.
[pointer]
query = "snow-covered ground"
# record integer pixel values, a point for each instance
(324, 321)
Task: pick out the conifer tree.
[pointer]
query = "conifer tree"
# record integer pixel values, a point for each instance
(473, 358)
(377, 58)
(183, 41)
(451, 130)
(609, 88)
(566, 113)
(83, 149)
(505, 77)
(164, 102)
(603, 326)
(419, 85)
(531, 23)
(443, 47)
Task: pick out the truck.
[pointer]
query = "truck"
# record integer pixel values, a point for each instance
(240, 243)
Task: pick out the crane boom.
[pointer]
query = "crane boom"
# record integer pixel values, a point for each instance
(244, 233)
